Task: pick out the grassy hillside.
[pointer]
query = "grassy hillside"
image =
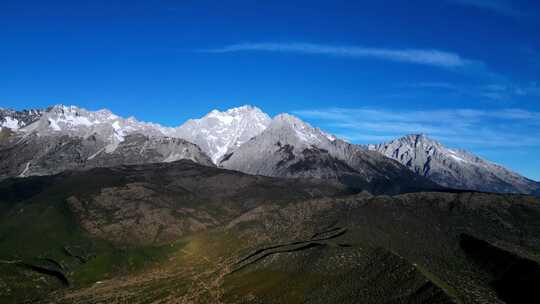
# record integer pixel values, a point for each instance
(184, 233)
(77, 228)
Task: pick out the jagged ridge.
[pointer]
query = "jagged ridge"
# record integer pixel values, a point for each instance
(453, 168)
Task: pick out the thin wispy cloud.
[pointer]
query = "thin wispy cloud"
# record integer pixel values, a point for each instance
(456, 127)
(429, 57)
(501, 92)
(502, 7)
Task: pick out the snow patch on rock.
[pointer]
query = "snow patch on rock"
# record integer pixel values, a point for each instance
(218, 133)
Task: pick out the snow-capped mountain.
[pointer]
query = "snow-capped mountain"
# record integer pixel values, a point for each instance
(75, 121)
(83, 138)
(284, 140)
(23, 156)
(453, 168)
(218, 133)
(290, 147)
(41, 142)
(15, 120)
(246, 139)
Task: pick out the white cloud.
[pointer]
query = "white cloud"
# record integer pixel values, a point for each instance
(467, 128)
(429, 57)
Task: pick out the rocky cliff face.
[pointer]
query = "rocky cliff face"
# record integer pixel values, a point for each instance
(290, 147)
(75, 121)
(43, 142)
(23, 156)
(453, 168)
(14, 120)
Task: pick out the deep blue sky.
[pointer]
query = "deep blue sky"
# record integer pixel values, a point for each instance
(464, 71)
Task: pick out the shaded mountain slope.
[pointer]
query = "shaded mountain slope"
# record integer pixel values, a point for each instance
(26, 155)
(182, 232)
(423, 229)
(111, 221)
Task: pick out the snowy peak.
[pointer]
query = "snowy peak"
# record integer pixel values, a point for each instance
(285, 118)
(62, 117)
(65, 118)
(79, 122)
(245, 109)
(229, 117)
(301, 130)
(218, 133)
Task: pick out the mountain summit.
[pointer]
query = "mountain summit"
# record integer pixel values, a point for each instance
(218, 133)
(75, 121)
(290, 147)
(453, 168)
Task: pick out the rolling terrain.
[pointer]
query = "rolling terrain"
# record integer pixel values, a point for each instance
(181, 232)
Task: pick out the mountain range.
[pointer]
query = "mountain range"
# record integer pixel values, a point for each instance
(237, 207)
(290, 147)
(49, 141)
